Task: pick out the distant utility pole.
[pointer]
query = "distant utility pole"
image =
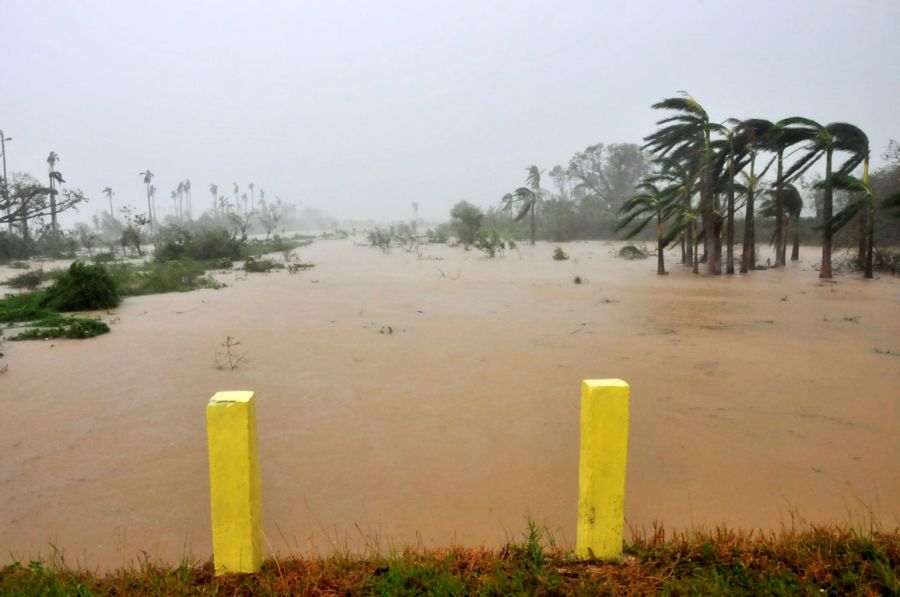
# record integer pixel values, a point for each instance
(3, 140)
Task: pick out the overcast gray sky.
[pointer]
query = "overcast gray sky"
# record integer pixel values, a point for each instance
(360, 108)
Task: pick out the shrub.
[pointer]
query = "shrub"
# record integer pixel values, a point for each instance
(261, 265)
(490, 242)
(158, 278)
(175, 243)
(105, 257)
(28, 280)
(632, 252)
(82, 288)
(559, 254)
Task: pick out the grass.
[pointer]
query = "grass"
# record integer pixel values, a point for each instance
(817, 560)
(276, 244)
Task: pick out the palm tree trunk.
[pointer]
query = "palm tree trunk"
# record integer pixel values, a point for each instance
(149, 208)
(660, 260)
(696, 249)
(708, 215)
(870, 224)
(795, 249)
(827, 214)
(683, 256)
(779, 211)
(532, 221)
(863, 244)
(729, 227)
(747, 251)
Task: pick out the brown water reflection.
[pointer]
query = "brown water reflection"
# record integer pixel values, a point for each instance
(746, 408)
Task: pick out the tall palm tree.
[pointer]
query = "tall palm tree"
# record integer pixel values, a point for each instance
(148, 176)
(688, 134)
(214, 191)
(753, 138)
(180, 190)
(109, 195)
(681, 178)
(187, 192)
(152, 192)
(824, 141)
(247, 208)
(54, 177)
(237, 200)
(650, 203)
(252, 186)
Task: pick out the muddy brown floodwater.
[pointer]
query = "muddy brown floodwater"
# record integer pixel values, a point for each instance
(756, 400)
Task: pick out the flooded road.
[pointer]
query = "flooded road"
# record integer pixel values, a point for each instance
(426, 399)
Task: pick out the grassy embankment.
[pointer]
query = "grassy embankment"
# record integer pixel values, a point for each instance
(833, 561)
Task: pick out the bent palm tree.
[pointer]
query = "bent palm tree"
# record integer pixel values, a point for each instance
(650, 203)
(824, 140)
(688, 135)
(525, 197)
(187, 192)
(109, 195)
(54, 177)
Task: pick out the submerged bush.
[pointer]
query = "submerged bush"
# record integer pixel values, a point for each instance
(82, 288)
(261, 265)
(175, 243)
(490, 242)
(632, 252)
(28, 280)
(559, 254)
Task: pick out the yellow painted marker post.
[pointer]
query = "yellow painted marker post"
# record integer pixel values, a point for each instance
(234, 486)
(601, 469)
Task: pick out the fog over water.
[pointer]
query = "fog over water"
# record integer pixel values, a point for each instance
(360, 108)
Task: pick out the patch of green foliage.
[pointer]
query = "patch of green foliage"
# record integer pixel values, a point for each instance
(490, 242)
(559, 254)
(62, 327)
(80, 288)
(159, 278)
(832, 561)
(276, 244)
(29, 280)
(257, 266)
(175, 243)
(104, 257)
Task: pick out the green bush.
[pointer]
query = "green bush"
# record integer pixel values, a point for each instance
(158, 278)
(261, 265)
(175, 243)
(64, 327)
(82, 288)
(559, 254)
(490, 242)
(105, 257)
(28, 280)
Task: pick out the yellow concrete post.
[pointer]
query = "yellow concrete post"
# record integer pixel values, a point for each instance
(601, 469)
(234, 486)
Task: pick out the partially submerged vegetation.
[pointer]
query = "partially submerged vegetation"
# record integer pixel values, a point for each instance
(833, 561)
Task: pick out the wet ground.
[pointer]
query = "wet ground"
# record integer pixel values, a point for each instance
(432, 398)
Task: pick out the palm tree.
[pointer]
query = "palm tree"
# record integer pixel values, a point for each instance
(152, 214)
(682, 180)
(187, 192)
(109, 195)
(174, 196)
(54, 177)
(214, 191)
(824, 140)
(688, 134)
(753, 138)
(252, 186)
(651, 202)
(525, 197)
(237, 201)
(246, 206)
(180, 190)
(148, 176)
(792, 206)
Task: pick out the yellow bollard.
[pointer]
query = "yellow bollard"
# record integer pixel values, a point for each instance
(601, 469)
(234, 486)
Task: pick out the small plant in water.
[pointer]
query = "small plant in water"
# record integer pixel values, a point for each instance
(559, 254)
(227, 358)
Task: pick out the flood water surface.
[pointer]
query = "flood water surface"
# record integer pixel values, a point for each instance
(425, 399)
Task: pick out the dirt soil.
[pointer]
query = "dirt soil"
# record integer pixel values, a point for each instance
(431, 399)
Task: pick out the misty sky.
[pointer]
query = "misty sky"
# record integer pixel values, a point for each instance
(360, 108)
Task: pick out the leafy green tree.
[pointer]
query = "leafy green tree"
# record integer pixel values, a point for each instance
(466, 220)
